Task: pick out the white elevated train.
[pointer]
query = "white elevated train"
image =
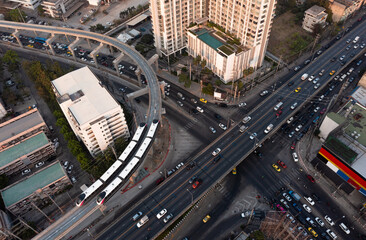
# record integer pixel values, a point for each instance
(115, 166)
(131, 165)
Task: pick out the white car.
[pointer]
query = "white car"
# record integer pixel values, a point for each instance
(161, 213)
(295, 157)
(40, 164)
(222, 126)
(316, 109)
(253, 135)
(26, 171)
(199, 109)
(180, 103)
(316, 86)
(331, 234)
(66, 164)
(212, 129)
(306, 207)
(344, 228)
(217, 151)
(298, 128)
(73, 179)
(284, 203)
(329, 220)
(319, 221)
(290, 120)
(293, 106)
(287, 197)
(311, 78)
(310, 200)
(243, 104)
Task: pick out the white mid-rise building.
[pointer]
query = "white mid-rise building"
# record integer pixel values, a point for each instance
(314, 15)
(95, 117)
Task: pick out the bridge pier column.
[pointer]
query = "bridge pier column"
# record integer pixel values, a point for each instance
(67, 38)
(88, 42)
(138, 74)
(16, 35)
(49, 44)
(162, 89)
(110, 49)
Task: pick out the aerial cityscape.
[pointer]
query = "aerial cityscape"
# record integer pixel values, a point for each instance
(183, 120)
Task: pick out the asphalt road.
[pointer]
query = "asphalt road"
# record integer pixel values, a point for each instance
(235, 146)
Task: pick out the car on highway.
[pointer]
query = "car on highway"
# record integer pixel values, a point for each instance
(309, 200)
(263, 93)
(306, 207)
(298, 89)
(295, 157)
(253, 135)
(206, 219)
(332, 72)
(180, 103)
(290, 120)
(26, 171)
(321, 72)
(196, 183)
(212, 129)
(290, 83)
(329, 220)
(203, 100)
(199, 109)
(316, 109)
(298, 128)
(312, 231)
(293, 106)
(297, 68)
(311, 78)
(288, 198)
(342, 57)
(359, 62)
(293, 145)
(161, 213)
(316, 80)
(216, 159)
(218, 116)
(291, 134)
(194, 100)
(316, 86)
(344, 228)
(247, 119)
(194, 178)
(216, 151)
(310, 178)
(277, 168)
(282, 164)
(331, 234)
(167, 218)
(222, 126)
(319, 221)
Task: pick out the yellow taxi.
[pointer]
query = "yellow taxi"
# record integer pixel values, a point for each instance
(298, 89)
(277, 168)
(206, 219)
(203, 100)
(234, 171)
(29, 45)
(332, 72)
(312, 231)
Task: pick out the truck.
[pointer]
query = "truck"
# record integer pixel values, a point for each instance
(304, 76)
(294, 195)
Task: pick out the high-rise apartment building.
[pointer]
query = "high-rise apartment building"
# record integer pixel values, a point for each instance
(170, 20)
(94, 116)
(246, 23)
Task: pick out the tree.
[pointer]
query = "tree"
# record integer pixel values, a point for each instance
(120, 145)
(62, 122)
(83, 160)
(182, 77)
(40, 10)
(208, 89)
(11, 56)
(17, 15)
(203, 63)
(147, 39)
(218, 82)
(75, 147)
(99, 27)
(317, 29)
(58, 114)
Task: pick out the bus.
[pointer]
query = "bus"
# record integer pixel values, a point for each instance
(40, 40)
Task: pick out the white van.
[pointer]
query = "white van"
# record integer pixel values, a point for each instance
(269, 128)
(344, 228)
(356, 39)
(304, 76)
(278, 106)
(143, 220)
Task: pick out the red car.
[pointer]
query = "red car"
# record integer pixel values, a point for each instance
(196, 183)
(278, 114)
(293, 145)
(282, 164)
(311, 179)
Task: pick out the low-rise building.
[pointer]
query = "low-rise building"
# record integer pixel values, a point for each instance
(343, 9)
(21, 127)
(226, 60)
(314, 15)
(61, 9)
(30, 4)
(28, 151)
(21, 196)
(93, 114)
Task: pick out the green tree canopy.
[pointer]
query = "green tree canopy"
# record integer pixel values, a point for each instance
(17, 15)
(147, 39)
(11, 56)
